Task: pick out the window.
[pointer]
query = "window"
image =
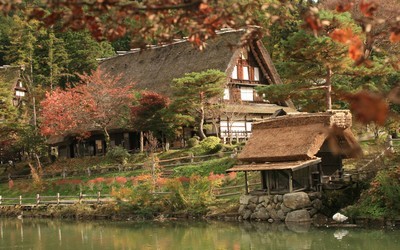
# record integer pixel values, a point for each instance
(245, 73)
(246, 94)
(244, 55)
(19, 84)
(226, 94)
(99, 145)
(19, 93)
(234, 73)
(256, 74)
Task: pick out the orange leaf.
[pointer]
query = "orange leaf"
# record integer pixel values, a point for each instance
(313, 22)
(341, 36)
(394, 37)
(205, 8)
(369, 8)
(368, 107)
(356, 49)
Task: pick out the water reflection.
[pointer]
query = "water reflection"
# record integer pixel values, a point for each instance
(339, 234)
(52, 234)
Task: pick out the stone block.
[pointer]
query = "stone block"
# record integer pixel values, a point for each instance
(244, 199)
(296, 200)
(264, 198)
(285, 209)
(253, 199)
(241, 209)
(301, 215)
(281, 215)
(246, 215)
(317, 204)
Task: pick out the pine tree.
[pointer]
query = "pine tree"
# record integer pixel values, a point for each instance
(197, 92)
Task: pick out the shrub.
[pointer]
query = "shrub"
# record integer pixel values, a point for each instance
(192, 197)
(218, 166)
(211, 144)
(193, 142)
(382, 199)
(118, 154)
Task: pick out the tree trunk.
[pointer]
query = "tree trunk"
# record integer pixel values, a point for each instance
(201, 124)
(328, 90)
(107, 139)
(141, 142)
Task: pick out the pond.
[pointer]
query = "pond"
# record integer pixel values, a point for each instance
(53, 234)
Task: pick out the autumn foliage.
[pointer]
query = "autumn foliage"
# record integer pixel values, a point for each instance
(99, 102)
(368, 107)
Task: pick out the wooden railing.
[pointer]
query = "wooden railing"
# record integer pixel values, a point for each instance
(174, 162)
(227, 191)
(56, 199)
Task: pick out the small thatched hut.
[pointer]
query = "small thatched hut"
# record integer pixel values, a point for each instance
(293, 152)
(11, 76)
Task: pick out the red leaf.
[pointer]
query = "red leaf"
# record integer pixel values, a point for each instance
(368, 107)
(394, 37)
(368, 8)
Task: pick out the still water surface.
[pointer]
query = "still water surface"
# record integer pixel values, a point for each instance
(59, 235)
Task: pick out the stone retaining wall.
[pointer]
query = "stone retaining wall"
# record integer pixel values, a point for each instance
(291, 207)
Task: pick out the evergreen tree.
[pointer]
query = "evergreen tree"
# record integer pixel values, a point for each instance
(197, 92)
(312, 65)
(83, 51)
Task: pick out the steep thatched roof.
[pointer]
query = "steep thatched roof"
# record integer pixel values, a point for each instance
(10, 75)
(298, 137)
(155, 68)
(293, 165)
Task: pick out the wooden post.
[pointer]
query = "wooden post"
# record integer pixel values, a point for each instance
(88, 171)
(58, 198)
(267, 179)
(80, 197)
(1, 199)
(141, 141)
(20, 199)
(290, 181)
(37, 199)
(191, 157)
(63, 173)
(246, 184)
(98, 197)
(390, 144)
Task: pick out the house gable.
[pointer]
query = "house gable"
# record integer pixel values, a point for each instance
(155, 68)
(11, 76)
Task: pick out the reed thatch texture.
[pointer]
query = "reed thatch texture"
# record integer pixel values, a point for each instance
(294, 137)
(10, 75)
(153, 69)
(293, 165)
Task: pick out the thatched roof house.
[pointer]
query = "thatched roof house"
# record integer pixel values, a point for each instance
(155, 68)
(245, 66)
(290, 143)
